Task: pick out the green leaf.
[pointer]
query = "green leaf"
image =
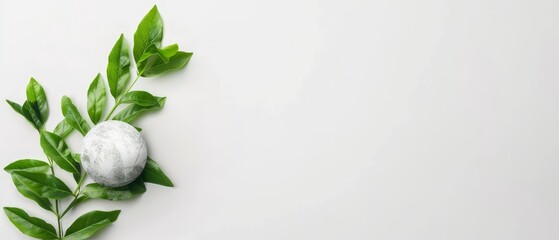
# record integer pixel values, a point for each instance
(88, 224)
(167, 52)
(133, 111)
(73, 116)
(152, 173)
(77, 157)
(159, 66)
(74, 203)
(31, 226)
(56, 149)
(98, 191)
(77, 176)
(28, 165)
(44, 185)
(29, 113)
(63, 129)
(141, 98)
(139, 129)
(118, 69)
(36, 94)
(152, 54)
(148, 33)
(150, 58)
(27, 192)
(96, 99)
(32, 115)
(16, 107)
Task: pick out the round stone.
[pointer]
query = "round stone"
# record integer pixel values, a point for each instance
(114, 153)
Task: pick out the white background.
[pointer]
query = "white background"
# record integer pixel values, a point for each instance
(315, 119)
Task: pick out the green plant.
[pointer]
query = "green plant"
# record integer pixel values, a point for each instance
(36, 179)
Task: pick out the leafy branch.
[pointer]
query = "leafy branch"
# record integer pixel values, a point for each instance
(36, 179)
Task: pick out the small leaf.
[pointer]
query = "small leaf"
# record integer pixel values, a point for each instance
(96, 99)
(36, 94)
(31, 226)
(152, 54)
(98, 191)
(56, 149)
(138, 128)
(148, 33)
(159, 66)
(152, 173)
(118, 69)
(74, 203)
(73, 116)
(44, 185)
(77, 157)
(77, 176)
(63, 129)
(31, 115)
(140, 98)
(28, 165)
(27, 192)
(88, 224)
(167, 52)
(16, 107)
(133, 111)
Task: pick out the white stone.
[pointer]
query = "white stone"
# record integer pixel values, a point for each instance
(114, 153)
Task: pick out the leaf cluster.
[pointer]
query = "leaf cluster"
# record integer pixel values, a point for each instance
(36, 179)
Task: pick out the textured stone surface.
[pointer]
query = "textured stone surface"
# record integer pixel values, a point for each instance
(114, 153)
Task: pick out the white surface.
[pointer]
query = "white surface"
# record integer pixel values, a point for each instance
(316, 119)
(113, 153)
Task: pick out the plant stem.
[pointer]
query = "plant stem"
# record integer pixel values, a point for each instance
(76, 192)
(60, 234)
(117, 101)
(56, 203)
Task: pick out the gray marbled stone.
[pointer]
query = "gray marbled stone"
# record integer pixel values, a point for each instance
(114, 153)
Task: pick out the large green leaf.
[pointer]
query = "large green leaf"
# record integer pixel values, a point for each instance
(141, 98)
(28, 165)
(96, 99)
(56, 149)
(88, 224)
(148, 33)
(63, 129)
(152, 173)
(73, 116)
(118, 69)
(31, 114)
(31, 226)
(133, 111)
(36, 95)
(98, 191)
(160, 66)
(27, 192)
(44, 185)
